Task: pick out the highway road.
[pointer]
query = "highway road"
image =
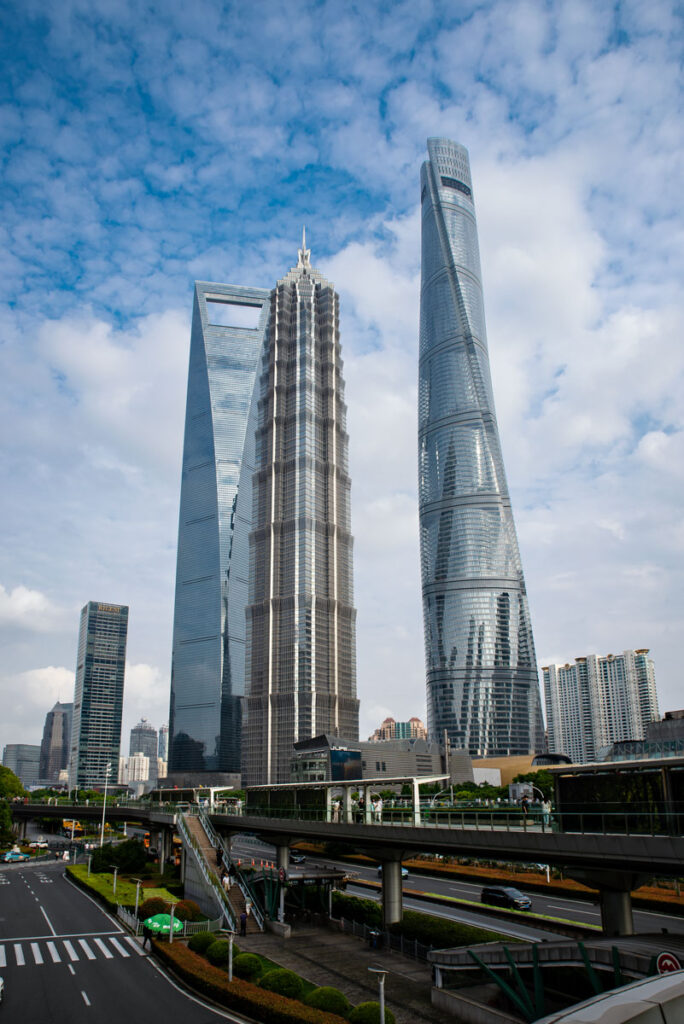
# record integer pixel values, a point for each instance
(565, 907)
(64, 959)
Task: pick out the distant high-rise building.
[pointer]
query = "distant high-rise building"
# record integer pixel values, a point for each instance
(301, 622)
(54, 749)
(391, 730)
(144, 741)
(136, 768)
(163, 745)
(24, 760)
(599, 701)
(208, 662)
(98, 694)
(482, 683)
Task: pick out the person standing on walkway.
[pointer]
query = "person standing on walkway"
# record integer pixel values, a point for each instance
(378, 810)
(525, 805)
(546, 812)
(243, 923)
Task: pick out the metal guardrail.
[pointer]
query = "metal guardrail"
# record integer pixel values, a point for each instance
(218, 892)
(382, 940)
(229, 863)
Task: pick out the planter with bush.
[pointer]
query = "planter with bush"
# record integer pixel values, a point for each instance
(238, 995)
(369, 1013)
(284, 982)
(329, 999)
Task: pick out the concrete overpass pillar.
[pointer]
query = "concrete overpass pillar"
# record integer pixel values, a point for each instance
(616, 912)
(347, 812)
(392, 907)
(282, 857)
(615, 892)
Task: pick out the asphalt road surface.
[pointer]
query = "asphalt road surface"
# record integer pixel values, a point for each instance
(63, 959)
(566, 907)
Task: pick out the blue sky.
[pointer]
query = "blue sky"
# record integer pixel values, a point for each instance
(145, 146)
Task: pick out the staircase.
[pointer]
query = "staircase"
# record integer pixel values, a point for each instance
(204, 845)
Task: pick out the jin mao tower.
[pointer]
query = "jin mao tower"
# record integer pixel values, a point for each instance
(301, 623)
(482, 683)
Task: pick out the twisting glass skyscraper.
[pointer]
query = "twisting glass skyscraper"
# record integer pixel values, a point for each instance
(208, 663)
(482, 683)
(301, 623)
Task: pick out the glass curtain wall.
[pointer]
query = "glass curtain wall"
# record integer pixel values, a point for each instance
(482, 683)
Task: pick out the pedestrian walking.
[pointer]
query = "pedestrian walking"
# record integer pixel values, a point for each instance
(546, 813)
(243, 923)
(525, 805)
(219, 856)
(378, 810)
(147, 936)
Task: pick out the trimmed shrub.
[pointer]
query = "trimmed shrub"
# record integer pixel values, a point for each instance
(369, 1013)
(329, 999)
(154, 905)
(217, 953)
(201, 942)
(238, 995)
(247, 966)
(284, 982)
(187, 910)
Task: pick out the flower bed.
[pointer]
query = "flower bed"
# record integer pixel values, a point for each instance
(238, 995)
(101, 887)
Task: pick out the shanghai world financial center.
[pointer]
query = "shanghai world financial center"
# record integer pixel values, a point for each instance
(264, 628)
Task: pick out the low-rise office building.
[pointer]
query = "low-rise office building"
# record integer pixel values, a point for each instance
(332, 758)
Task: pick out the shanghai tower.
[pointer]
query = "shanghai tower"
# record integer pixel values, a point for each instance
(482, 683)
(301, 622)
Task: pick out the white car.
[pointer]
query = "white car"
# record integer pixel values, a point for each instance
(39, 844)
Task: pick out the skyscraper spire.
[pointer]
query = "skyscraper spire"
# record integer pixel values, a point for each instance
(304, 253)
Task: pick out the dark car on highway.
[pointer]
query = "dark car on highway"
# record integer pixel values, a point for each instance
(505, 896)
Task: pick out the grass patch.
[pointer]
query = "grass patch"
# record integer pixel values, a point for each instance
(102, 885)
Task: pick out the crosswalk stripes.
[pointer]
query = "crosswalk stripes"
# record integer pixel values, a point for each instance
(86, 949)
(58, 951)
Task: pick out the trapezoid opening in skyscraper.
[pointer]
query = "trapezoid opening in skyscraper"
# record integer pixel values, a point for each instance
(482, 678)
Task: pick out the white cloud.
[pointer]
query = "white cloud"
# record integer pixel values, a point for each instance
(27, 698)
(30, 610)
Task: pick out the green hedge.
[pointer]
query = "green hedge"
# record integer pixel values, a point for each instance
(426, 928)
(247, 966)
(329, 999)
(284, 982)
(238, 995)
(200, 942)
(369, 1013)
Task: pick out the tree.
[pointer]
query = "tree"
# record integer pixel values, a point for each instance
(541, 780)
(5, 823)
(10, 785)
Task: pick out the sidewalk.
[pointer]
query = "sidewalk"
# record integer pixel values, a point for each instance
(327, 957)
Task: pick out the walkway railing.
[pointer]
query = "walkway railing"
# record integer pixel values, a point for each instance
(378, 939)
(229, 863)
(219, 895)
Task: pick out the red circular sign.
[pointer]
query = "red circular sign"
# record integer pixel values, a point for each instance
(667, 962)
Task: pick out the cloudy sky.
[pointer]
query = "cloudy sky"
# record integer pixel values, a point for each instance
(148, 145)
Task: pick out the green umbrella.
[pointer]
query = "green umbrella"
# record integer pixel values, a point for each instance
(162, 923)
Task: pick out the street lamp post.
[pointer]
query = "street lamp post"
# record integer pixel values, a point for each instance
(171, 924)
(381, 989)
(137, 895)
(108, 769)
(230, 955)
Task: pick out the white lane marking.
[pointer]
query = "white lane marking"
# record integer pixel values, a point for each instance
(100, 945)
(42, 910)
(56, 958)
(37, 955)
(3, 958)
(587, 913)
(135, 945)
(19, 954)
(86, 949)
(85, 998)
(73, 955)
(119, 948)
(71, 969)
